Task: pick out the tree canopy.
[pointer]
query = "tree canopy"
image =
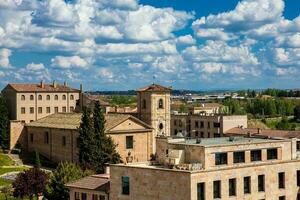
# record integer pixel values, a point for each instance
(4, 124)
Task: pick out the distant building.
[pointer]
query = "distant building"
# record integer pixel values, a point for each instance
(226, 168)
(94, 187)
(88, 100)
(30, 102)
(206, 108)
(205, 125)
(56, 136)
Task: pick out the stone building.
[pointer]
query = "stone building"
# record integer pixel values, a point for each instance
(30, 102)
(56, 136)
(154, 108)
(94, 187)
(250, 168)
(206, 108)
(205, 125)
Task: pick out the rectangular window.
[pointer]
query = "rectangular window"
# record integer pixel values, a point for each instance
(261, 183)
(217, 189)
(95, 197)
(208, 124)
(31, 137)
(298, 196)
(247, 185)
(83, 196)
(175, 122)
(40, 110)
(46, 138)
(71, 109)
(64, 109)
(125, 185)
(23, 110)
(281, 180)
(217, 135)
(202, 134)
(31, 110)
(298, 177)
(77, 196)
(201, 124)
(282, 198)
(200, 191)
(129, 142)
(196, 124)
(101, 197)
(232, 187)
(56, 109)
(298, 145)
(64, 141)
(255, 155)
(272, 154)
(48, 110)
(221, 158)
(239, 157)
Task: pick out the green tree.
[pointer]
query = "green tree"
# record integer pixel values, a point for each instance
(85, 140)
(104, 149)
(283, 124)
(37, 160)
(64, 173)
(4, 124)
(297, 112)
(183, 108)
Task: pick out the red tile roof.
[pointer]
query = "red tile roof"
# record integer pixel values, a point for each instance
(37, 88)
(155, 88)
(263, 132)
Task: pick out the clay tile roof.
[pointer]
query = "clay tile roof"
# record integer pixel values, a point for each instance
(264, 132)
(72, 121)
(37, 88)
(155, 88)
(94, 182)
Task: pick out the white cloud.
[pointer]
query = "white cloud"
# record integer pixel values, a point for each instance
(69, 62)
(286, 71)
(186, 39)
(106, 73)
(4, 58)
(169, 64)
(35, 67)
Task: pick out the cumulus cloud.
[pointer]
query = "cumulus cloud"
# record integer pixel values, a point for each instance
(106, 73)
(35, 67)
(69, 62)
(4, 58)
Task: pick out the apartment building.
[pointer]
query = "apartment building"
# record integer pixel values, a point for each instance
(205, 125)
(227, 168)
(30, 102)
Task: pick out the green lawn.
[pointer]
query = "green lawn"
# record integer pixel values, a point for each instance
(4, 182)
(12, 169)
(5, 160)
(2, 197)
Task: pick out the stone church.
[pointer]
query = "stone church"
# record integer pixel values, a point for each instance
(55, 135)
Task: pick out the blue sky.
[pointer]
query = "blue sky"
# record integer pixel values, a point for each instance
(123, 44)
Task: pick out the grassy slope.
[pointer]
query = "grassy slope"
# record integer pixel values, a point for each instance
(5, 160)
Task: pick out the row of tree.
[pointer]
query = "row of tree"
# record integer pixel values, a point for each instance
(281, 93)
(260, 107)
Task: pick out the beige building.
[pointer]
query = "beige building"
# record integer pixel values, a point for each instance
(154, 108)
(30, 102)
(205, 125)
(227, 168)
(95, 187)
(206, 108)
(56, 136)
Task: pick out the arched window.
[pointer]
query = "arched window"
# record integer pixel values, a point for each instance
(64, 97)
(23, 97)
(31, 97)
(161, 126)
(160, 103)
(71, 97)
(40, 97)
(144, 104)
(56, 97)
(48, 97)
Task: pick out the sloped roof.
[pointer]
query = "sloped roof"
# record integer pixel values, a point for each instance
(154, 88)
(263, 132)
(72, 121)
(37, 88)
(94, 182)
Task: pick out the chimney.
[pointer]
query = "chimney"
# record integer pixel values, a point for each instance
(106, 169)
(42, 84)
(249, 134)
(54, 84)
(81, 88)
(65, 83)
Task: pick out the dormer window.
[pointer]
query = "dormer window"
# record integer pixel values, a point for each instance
(160, 104)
